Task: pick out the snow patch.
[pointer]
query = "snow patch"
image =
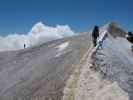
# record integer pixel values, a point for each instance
(61, 49)
(62, 46)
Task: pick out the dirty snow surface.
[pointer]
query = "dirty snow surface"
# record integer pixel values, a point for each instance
(103, 72)
(108, 72)
(36, 74)
(115, 61)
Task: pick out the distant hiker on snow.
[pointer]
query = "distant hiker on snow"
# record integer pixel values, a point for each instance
(95, 35)
(24, 46)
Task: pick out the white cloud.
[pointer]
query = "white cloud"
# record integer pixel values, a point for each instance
(40, 33)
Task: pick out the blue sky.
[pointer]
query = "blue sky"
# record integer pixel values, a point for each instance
(20, 15)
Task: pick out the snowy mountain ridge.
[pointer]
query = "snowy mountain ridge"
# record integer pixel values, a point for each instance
(107, 72)
(70, 69)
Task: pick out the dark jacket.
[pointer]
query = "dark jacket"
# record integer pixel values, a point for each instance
(95, 32)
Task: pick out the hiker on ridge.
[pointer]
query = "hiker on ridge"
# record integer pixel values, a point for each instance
(95, 35)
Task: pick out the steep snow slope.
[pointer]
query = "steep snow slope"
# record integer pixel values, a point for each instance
(108, 72)
(115, 62)
(38, 73)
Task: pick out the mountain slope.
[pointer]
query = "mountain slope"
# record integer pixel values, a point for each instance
(107, 74)
(70, 69)
(116, 63)
(42, 71)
